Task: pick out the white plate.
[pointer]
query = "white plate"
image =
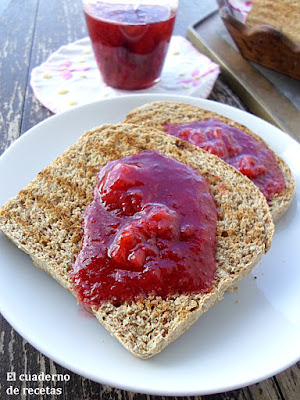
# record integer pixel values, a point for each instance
(251, 335)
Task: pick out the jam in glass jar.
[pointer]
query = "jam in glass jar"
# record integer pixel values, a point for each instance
(130, 39)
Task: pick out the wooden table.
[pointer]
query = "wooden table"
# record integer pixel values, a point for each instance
(29, 32)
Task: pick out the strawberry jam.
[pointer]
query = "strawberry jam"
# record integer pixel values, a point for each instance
(149, 231)
(129, 43)
(237, 148)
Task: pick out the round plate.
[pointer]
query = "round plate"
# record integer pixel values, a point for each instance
(251, 335)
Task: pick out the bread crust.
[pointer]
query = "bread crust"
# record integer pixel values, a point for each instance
(282, 15)
(158, 113)
(45, 218)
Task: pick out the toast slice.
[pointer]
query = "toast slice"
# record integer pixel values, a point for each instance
(45, 221)
(157, 114)
(282, 15)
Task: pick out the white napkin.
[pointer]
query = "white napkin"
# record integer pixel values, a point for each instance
(70, 75)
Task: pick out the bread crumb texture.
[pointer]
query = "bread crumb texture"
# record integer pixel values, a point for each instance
(283, 15)
(45, 218)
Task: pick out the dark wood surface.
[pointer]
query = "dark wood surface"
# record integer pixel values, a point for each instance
(29, 32)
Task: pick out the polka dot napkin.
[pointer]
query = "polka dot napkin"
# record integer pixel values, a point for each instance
(70, 75)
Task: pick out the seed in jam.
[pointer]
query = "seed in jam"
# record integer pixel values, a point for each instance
(149, 231)
(251, 157)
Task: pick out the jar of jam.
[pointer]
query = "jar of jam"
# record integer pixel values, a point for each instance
(130, 39)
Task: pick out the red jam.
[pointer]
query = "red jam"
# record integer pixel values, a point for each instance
(237, 148)
(150, 230)
(129, 44)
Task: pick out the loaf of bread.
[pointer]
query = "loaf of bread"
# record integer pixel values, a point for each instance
(157, 114)
(283, 15)
(45, 221)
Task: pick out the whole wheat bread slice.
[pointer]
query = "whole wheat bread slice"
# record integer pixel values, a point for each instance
(283, 15)
(45, 218)
(156, 114)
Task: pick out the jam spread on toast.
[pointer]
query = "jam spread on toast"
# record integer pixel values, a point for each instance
(149, 231)
(251, 157)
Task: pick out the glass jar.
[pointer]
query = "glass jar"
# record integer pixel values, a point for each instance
(130, 39)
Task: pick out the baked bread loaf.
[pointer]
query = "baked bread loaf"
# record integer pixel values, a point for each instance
(157, 114)
(45, 221)
(283, 15)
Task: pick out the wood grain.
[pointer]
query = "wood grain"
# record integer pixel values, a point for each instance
(16, 32)
(65, 22)
(30, 31)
